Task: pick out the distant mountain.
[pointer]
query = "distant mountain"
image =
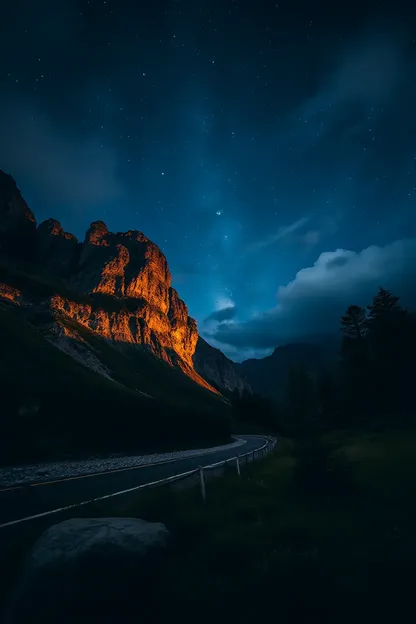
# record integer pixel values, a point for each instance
(217, 369)
(99, 318)
(268, 376)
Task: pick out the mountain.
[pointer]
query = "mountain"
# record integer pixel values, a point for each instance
(268, 376)
(94, 337)
(217, 369)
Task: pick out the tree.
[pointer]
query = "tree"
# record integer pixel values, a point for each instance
(388, 338)
(385, 318)
(354, 364)
(385, 305)
(354, 323)
(387, 323)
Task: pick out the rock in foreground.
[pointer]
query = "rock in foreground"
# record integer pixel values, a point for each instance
(93, 568)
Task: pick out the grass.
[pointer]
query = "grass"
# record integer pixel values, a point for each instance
(68, 410)
(260, 548)
(260, 543)
(65, 409)
(137, 369)
(132, 366)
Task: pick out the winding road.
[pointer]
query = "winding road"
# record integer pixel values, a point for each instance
(24, 503)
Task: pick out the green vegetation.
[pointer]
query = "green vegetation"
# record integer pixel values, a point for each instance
(137, 369)
(369, 385)
(320, 531)
(323, 534)
(54, 407)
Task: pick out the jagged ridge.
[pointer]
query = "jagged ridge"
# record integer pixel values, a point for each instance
(125, 267)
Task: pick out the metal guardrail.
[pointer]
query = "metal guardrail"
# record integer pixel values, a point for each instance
(203, 472)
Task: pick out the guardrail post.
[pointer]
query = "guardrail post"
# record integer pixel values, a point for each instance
(237, 461)
(202, 480)
(253, 457)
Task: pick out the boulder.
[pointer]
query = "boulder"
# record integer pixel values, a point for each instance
(98, 568)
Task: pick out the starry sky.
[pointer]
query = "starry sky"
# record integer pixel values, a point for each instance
(267, 147)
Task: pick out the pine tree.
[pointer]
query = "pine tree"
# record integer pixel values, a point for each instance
(354, 363)
(385, 308)
(354, 323)
(387, 333)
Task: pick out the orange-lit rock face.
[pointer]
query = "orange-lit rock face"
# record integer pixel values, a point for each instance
(10, 293)
(123, 265)
(52, 227)
(143, 325)
(124, 274)
(129, 267)
(112, 280)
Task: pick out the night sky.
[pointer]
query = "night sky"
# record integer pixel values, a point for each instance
(269, 148)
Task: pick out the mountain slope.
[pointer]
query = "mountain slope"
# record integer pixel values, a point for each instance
(217, 369)
(54, 406)
(99, 342)
(268, 376)
(126, 279)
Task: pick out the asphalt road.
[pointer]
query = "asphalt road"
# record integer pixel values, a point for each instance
(26, 501)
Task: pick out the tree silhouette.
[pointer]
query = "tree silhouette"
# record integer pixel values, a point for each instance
(388, 345)
(354, 323)
(384, 305)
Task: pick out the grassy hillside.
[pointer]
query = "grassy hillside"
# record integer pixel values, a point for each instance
(53, 406)
(137, 369)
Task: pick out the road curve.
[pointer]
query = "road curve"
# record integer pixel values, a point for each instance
(26, 501)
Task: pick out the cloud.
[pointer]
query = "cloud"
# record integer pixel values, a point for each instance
(237, 354)
(365, 78)
(281, 233)
(369, 71)
(223, 314)
(314, 300)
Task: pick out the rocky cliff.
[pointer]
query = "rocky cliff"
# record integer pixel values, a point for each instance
(217, 369)
(117, 285)
(17, 221)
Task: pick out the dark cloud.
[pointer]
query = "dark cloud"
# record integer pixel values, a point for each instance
(315, 299)
(225, 314)
(365, 77)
